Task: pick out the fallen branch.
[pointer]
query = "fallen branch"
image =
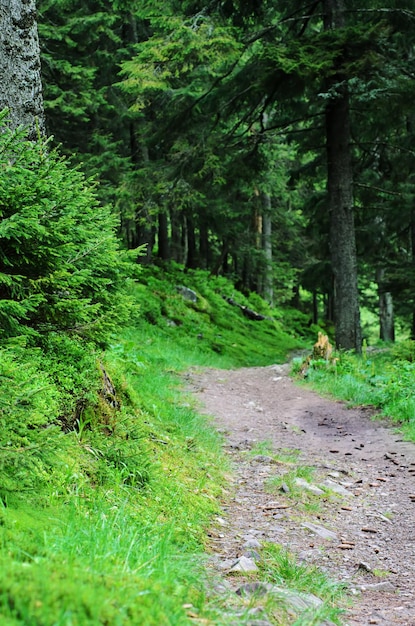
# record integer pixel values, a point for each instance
(249, 313)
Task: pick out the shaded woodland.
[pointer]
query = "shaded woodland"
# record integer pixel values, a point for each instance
(270, 142)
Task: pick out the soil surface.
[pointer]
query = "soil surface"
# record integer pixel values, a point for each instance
(362, 533)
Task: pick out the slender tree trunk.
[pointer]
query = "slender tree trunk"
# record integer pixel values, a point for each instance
(144, 221)
(184, 240)
(176, 235)
(191, 261)
(340, 191)
(221, 260)
(268, 291)
(315, 307)
(204, 250)
(163, 237)
(413, 263)
(386, 317)
(21, 86)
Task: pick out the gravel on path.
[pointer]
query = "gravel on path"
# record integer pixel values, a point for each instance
(363, 534)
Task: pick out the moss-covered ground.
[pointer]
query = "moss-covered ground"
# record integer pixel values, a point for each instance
(105, 499)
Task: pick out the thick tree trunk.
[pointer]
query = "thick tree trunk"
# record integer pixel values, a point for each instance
(268, 292)
(21, 86)
(340, 190)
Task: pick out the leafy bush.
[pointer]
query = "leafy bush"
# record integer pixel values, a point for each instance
(404, 351)
(60, 263)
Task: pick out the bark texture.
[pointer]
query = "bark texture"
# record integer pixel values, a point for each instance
(268, 291)
(21, 86)
(340, 190)
(386, 315)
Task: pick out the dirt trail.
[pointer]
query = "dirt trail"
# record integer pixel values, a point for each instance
(371, 539)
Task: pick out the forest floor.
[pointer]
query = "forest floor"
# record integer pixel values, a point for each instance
(362, 534)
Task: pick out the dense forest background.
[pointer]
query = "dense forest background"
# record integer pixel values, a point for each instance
(268, 141)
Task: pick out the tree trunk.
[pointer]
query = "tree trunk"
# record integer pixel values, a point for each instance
(413, 263)
(204, 248)
(315, 307)
(191, 261)
(176, 248)
(268, 292)
(163, 237)
(144, 221)
(386, 317)
(340, 191)
(21, 88)
(221, 259)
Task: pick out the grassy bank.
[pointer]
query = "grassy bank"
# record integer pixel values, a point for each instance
(380, 378)
(106, 497)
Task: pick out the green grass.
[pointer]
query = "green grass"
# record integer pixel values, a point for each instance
(286, 485)
(104, 513)
(281, 568)
(211, 331)
(383, 379)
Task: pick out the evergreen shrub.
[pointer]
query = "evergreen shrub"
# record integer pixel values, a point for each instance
(61, 268)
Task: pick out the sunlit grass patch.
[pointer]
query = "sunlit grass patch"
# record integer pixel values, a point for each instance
(288, 455)
(287, 482)
(281, 568)
(264, 448)
(283, 456)
(384, 380)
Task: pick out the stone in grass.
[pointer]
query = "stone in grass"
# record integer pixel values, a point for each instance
(322, 532)
(252, 589)
(188, 294)
(263, 458)
(297, 601)
(339, 489)
(300, 482)
(244, 564)
(253, 554)
(385, 585)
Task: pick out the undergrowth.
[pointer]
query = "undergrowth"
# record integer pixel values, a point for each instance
(208, 329)
(105, 499)
(383, 379)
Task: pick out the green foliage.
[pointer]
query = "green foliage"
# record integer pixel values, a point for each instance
(118, 505)
(61, 267)
(380, 379)
(72, 364)
(210, 329)
(123, 514)
(404, 351)
(28, 433)
(81, 47)
(179, 59)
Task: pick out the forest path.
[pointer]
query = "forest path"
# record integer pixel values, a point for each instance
(371, 545)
